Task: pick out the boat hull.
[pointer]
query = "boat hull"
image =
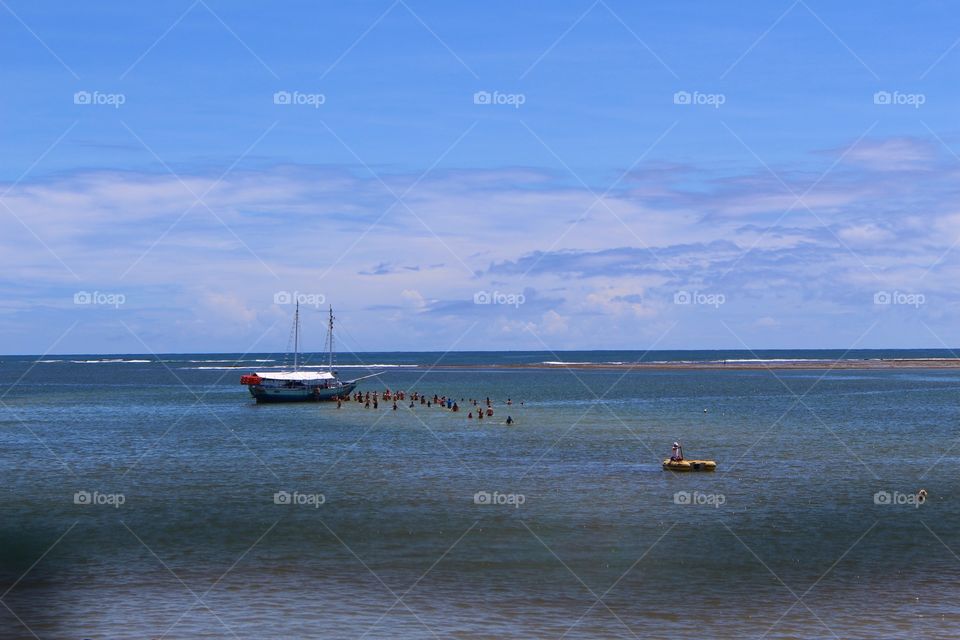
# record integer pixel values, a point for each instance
(689, 465)
(268, 394)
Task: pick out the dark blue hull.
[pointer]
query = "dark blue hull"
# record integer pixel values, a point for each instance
(270, 394)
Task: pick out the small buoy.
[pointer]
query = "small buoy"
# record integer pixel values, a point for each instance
(922, 496)
(704, 410)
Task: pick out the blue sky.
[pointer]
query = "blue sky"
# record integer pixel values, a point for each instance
(804, 195)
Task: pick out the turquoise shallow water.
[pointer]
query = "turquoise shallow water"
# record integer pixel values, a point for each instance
(785, 540)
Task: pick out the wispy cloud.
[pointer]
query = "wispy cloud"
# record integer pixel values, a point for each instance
(888, 206)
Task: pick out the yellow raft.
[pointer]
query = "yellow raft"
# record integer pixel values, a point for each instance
(689, 465)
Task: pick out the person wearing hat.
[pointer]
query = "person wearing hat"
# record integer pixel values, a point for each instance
(676, 454)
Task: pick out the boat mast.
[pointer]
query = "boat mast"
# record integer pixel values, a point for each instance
(330, 341)
(296, 337)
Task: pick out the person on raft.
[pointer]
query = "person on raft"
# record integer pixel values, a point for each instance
(676, 454)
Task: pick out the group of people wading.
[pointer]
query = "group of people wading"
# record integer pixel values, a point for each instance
(484, 408)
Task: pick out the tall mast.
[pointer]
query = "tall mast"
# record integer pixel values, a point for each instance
(330, 340)
(296, 337)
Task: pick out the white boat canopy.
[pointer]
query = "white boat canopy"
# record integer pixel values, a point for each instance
(302, 376)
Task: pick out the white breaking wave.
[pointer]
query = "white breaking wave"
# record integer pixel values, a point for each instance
(213, 368)
(363, 366)
(616, 363)
(774, 360)
(232, 360)
(308, 366)
(111, 361)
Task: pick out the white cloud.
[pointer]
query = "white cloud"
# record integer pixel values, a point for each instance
(893, 154)
(865, 234)
(195, 278)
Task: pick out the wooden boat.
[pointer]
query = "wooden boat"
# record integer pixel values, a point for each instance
(297, 385)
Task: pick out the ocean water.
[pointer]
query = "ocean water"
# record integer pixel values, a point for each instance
(810, 527)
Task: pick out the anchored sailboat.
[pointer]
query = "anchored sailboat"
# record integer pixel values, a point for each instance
(296, 385)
